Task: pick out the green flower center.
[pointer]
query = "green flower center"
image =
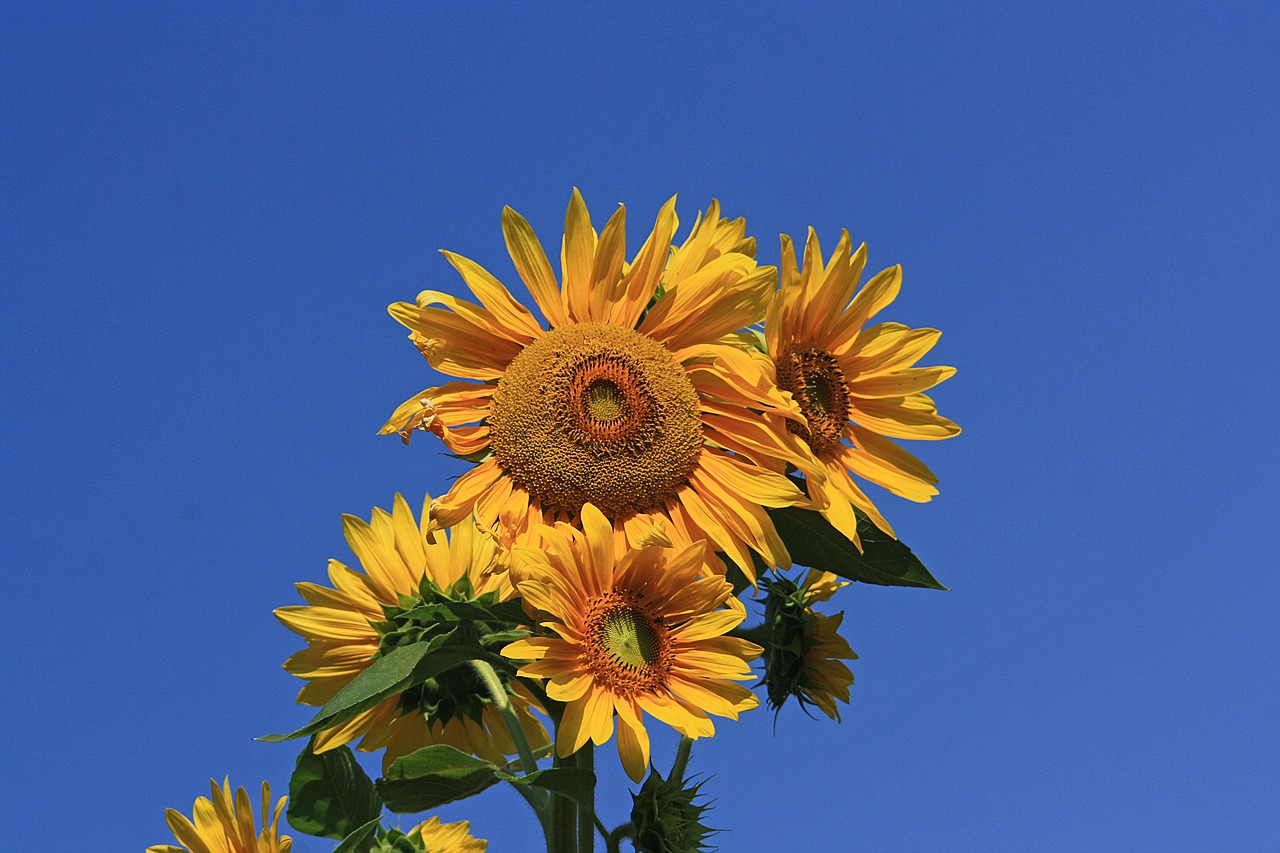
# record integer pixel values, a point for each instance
(626, 645)
(604, 400)
(630, 639)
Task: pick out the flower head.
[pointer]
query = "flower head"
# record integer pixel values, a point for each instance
(857, 387)
(226, 825)
(638, 398)
(368, 614)
(804, 652)
(629, 631)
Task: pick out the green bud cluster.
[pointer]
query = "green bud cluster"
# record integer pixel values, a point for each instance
(788, 621)
(666, 818)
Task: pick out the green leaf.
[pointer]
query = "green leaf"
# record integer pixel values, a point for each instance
(433, 776)
(575, 783)
(360, 840)
(884, 560)
(390, 674)
(330, 795)
(456, 611)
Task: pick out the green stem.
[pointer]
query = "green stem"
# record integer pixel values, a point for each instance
(613, 841)
(498, 692)
(563, 818)
(587, 810)
(758, 634)
(682, 759)
(539, 805)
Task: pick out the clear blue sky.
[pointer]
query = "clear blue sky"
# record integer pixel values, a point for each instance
(205, 208)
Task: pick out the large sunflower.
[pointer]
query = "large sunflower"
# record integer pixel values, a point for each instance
(633, 630)
(856, 386)
(348, 626)
(226, 825)
(637, 399)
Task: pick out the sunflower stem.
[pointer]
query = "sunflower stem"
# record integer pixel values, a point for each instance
(613, 841)
(503, 702)
(758, 634)
(587, 810)
(682, 759)
(563, 817)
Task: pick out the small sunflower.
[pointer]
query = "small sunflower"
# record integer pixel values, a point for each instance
(805, 653)
(857, 387)
(349, 626)
(638, 399)
(632, 631)
(226, 825)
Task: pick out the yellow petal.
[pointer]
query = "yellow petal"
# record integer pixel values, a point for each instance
(633, 749)
(534, 268)
(576, 259)
(606, 270)
(460, 501)
(900, 383)
(903, 417)
(641, 281)
(495, 296)
(753, 484)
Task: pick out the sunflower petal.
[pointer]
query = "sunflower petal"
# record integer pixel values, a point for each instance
(534, 268)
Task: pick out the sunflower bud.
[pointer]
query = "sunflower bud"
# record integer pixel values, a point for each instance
(804, 649)
(666, 818)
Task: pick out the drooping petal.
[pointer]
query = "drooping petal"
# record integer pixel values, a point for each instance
(633, 749)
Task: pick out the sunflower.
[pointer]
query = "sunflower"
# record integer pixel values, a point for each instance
(349, 626)
(638, 398)
(857, 387)
(632, 630)
(226, 825)
(806, 653)
(432, 836)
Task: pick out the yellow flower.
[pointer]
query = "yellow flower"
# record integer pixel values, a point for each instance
(440, 837)
(805, 650)
(853, 384)
(224, 825)
(824, 677)
(346, 628)
(634, 631)
(638, 398)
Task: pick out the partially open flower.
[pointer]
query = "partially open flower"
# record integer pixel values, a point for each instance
(367, 615)
(226, 825)
(631, 631)
(804, 652)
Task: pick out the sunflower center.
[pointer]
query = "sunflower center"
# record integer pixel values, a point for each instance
(630, 639)
(627, 648)
(599, 413)
(604, 401)
(814, 378)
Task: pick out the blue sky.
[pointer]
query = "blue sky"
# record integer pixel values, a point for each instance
(204, 210)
